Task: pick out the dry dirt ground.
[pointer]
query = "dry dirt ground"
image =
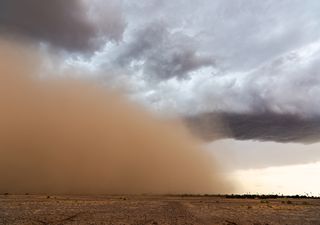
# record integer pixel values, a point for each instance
(152, 210)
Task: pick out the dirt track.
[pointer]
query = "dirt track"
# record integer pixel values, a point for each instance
(152, 210)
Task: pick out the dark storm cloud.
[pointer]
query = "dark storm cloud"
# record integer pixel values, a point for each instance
(263, 126)
(65, 24)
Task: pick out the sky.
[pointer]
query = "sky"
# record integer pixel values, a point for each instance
(203, 56)
(190, 58)
(269, 167)
(186, 57)
(250, 63)
(279, 180)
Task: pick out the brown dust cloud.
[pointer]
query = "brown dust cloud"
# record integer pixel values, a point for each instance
(72, 137)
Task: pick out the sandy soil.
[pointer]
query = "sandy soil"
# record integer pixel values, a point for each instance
(152, 210)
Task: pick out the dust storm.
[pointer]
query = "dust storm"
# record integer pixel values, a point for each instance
(66, 136)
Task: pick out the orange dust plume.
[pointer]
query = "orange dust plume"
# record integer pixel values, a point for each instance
(72, 137)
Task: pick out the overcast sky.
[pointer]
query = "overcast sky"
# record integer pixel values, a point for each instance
(202, 56)
(186, 56)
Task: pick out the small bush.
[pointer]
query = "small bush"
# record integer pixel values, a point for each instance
(264, 201)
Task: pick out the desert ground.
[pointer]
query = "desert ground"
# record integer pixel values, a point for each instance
(146, 209)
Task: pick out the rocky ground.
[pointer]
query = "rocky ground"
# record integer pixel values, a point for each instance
(152, 210)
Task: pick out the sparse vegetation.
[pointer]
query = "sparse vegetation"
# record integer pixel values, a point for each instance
(159, 209)
(257, 196)
(248, 196)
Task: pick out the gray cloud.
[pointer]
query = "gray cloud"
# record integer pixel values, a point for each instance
(263, 52)
(267, 126)
(162, 53)
(237, 57)
(71, 25)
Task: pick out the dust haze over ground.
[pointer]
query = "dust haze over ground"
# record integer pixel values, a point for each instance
(66, 136)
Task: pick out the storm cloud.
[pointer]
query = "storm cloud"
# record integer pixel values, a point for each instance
(70, 25)
(258, 126)
(189, 58)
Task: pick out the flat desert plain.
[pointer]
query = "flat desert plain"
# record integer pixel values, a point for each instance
(152, 210)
